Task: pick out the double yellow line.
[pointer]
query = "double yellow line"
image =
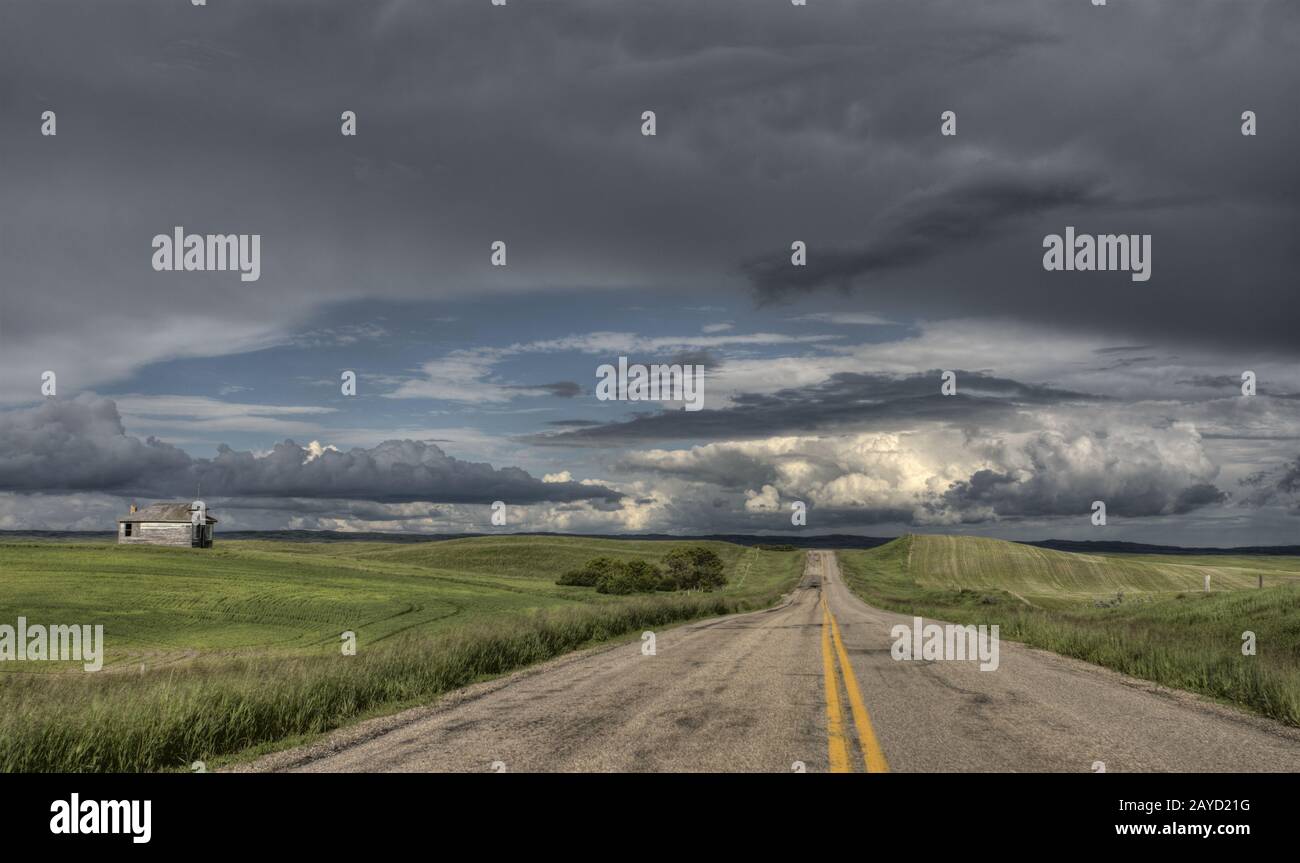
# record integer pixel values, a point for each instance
(837, 740)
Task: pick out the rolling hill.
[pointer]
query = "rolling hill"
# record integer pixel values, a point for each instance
(976, 563)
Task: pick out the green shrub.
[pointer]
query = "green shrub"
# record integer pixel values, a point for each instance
(692, 568)
(592, 572)
(635, 576)
(695, 568)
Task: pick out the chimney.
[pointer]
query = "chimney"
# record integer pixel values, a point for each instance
(132, 508)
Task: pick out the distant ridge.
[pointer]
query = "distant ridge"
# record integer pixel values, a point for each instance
(1144, 548)
(833, 540)
(839, 540)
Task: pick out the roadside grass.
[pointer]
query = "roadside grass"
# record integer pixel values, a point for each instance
(1183, 639)
(282, 608)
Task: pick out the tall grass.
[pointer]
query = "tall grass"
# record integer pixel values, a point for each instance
(168, 718)
(1187, 641)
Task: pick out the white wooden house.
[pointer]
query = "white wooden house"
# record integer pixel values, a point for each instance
(175, 524)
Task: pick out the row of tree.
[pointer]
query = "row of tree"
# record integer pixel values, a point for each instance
(685, 568)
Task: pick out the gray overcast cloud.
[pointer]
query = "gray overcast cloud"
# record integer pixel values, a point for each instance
(775, 123)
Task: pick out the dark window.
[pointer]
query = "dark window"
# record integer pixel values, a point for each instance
(127, 531)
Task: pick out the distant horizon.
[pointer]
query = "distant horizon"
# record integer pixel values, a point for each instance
(808, 540)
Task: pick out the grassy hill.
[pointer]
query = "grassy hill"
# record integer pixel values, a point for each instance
(1144, 615)
(975, 563)
(211, 652)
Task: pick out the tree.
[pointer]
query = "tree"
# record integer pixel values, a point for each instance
(635, 576)
(680, 568)
(592, 572)
(709, 570)
(695, 568)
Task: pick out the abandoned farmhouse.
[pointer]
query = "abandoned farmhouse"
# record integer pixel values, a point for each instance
(175, 524)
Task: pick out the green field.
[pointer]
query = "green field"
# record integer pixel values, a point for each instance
(974, 563)
(210, 652)
(1144, 615)
(159, 605)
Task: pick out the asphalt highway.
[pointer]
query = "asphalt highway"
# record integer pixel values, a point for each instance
(808, 685)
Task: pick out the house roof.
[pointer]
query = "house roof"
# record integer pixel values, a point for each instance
(164, 512)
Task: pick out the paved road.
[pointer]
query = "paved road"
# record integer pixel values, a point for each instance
(1039, 711)
(762, 691)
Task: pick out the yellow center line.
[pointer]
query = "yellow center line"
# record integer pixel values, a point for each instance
(872, 754)
(837, 746)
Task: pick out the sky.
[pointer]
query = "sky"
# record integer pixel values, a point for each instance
(774, 123)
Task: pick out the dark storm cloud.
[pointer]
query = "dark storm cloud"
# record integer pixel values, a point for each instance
(843, 400)
(81, 445)
(775, 122)
(391, 472)
(730, 469)
(927, 224)
(1126, 362)
(560, 389)
(1289, 481)
(1277, 485)
(333, 508)
(1123, 349)
(988, 493)
(1227, 381)
(696, 358)
(1272, 388)
(1195, 496)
